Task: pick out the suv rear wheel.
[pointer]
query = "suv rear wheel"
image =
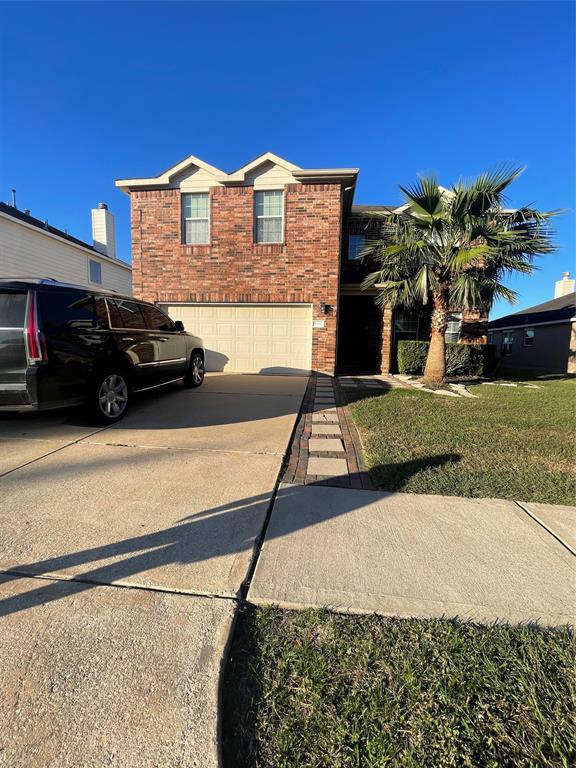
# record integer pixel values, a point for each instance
(195, 374)
(109, 396)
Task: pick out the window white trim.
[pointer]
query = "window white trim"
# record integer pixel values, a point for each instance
(185, 219)
(454, 320)
(525, 337)
(507, 343)
(268, 217)
(99, 271)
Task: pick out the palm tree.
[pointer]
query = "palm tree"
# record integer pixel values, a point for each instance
(453, 247)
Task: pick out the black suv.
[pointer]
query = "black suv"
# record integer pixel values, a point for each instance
(63, 345)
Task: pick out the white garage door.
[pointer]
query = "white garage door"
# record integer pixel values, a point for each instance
(251, 338)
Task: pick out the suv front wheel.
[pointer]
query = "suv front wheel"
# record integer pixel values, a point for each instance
(109, 396)
(195, 373)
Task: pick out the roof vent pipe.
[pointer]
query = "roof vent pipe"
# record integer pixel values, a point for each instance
(14, 198)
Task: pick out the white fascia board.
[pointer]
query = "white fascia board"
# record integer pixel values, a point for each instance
(239, 176)
(328, 175)
(268, 157)
(164, 179)
(530, 325)
(94, 254)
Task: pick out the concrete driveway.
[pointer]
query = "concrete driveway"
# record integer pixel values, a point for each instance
(171, 500)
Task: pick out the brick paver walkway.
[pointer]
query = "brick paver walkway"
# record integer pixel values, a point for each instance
(326, 449)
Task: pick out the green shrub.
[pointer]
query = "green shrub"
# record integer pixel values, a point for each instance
(464, 360)
(461, 359)
(412, 356)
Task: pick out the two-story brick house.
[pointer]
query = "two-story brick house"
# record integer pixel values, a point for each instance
(262, 263)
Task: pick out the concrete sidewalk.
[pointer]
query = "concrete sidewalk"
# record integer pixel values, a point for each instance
(410, 555)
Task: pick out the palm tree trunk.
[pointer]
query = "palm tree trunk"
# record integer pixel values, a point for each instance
(435, 370)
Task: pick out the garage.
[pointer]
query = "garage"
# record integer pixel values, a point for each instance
(251, 338)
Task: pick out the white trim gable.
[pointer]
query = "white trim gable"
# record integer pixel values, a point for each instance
(242, 173)
(190, 164)
(266, 171)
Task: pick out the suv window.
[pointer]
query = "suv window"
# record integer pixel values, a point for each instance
(12, 310)
(156, 320)
(127, 314)
(101, 312)
(71, 309)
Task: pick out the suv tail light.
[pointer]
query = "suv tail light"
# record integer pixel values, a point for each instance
(35, 342)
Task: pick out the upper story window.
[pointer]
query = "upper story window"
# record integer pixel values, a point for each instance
(269, 216)
(95, 272)
(453, 327)
(196, 218)
(355, 245)
(528, 339)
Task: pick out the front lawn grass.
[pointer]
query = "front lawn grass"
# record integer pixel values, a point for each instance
(510, 443)
(319, 690)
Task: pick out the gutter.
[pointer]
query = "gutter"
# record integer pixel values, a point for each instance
(531, 325)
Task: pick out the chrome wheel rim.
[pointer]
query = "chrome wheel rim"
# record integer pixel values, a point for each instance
(113, 396)
(197, 369)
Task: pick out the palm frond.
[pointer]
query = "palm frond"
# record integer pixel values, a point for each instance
(484, 193)
(424, 197)
(463, 238)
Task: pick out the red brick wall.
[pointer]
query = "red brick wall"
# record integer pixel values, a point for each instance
(304, 269)
(387, 334)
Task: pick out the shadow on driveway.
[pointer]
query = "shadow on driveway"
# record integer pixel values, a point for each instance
(199, 537)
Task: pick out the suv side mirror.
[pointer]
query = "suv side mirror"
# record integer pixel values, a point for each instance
(178, 325)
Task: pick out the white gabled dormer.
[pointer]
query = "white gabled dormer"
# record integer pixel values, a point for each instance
(267, 171)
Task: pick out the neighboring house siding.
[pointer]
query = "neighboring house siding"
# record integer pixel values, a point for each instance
(28, 252)
(232, 268)
(550, 350)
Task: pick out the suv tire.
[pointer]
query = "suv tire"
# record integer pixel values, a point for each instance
(108, 396)
(195, 373)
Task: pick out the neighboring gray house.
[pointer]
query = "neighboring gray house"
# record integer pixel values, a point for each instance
(541, 337)
(30, 247)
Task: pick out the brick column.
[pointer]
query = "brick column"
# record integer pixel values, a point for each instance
(571, 368)
(386, 348)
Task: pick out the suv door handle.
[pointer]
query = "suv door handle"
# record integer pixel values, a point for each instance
(127, 338)
(162, 338)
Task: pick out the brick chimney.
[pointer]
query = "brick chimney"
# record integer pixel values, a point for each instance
(565, 286)
(103, 230)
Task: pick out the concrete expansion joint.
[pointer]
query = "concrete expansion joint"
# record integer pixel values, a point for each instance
(146, 446)
(143, 587)
(540, 522)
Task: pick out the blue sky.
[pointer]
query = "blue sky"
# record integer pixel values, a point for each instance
(91, 92)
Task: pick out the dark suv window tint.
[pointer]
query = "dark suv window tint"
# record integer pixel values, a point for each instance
(70, 309)
(156, 320)
(12, 310)
(114, 312)
(101, 311)
(130, 314)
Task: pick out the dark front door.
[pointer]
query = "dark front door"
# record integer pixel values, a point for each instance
(359, 335)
